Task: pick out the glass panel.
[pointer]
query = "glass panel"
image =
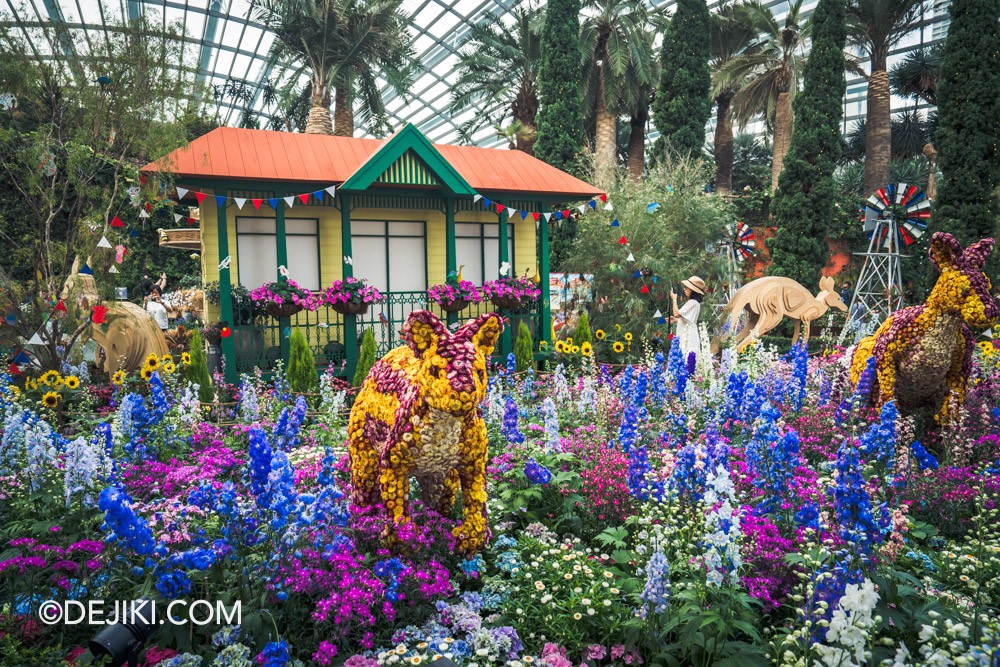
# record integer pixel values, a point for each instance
(367, 228)
(303, 261)
(301, 225)
(406, 229)
(370, 261)
(408, 264)
(255, 225)
(257, 256)
(470, 252)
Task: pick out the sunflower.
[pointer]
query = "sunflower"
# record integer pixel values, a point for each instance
(169, 367)
(146, 373)
(153, 362)
(118, 378)
(599, 334)
(569, 341)
(575, 349)
(185, 358)
(560, 346)
(59, 384)
(51, 399)
(586, 349)
(618, 347)
(72, 382)
(628, 336)
(167, 359)
(49, 377)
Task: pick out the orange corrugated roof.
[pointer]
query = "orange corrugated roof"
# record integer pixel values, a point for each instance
(264, 155)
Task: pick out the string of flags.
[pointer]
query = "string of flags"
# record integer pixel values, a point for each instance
(256, 202)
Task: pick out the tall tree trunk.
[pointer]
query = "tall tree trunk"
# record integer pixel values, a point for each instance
(877, 130)
(343, 113)
(319, 121)
(525, 109)
(723, 145)
(606, 138)
(783, 121)
(637, 143)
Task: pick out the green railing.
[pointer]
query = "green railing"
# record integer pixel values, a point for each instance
(258, 345)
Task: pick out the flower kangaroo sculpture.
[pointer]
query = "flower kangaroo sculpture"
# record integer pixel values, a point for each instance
(923, 354)
(418, 414)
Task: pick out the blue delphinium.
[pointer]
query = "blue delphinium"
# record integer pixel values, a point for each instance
(860, 525)
(121, 521)
(640, 389)
(249, 401)
(173, 584)
(795, 389)
(281, 490)
(687, 478)
(40, 446)
(879, 441)
(625, 381)
(692, 363)
(924, 458)
(605, 375)
(825, 388)
(537, 473)
(735, 390)
(511, 363)
(675, 359)
(550, 420)
(158, 397)
(656, 592)
(658, 380)
(753, 400)
(275, 654)
(773, 458)
(12, 440)
(862, 391)
(390, 571)
(808, 516)
(84, 468)
(509, 429)
(627, 430)
(260, 454)
(639, 485)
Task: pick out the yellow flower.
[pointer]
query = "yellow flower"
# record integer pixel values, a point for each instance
(51, 399)
(186, 358)
(30, 384)
(146, 373)
(560, 346)
(587, 349)
(575, 349)
(169, 367)
(618, 347)
(569, 341)
(167, 359)
(599, 334)
(618, 327)
(153, 361)
(72, 382)
(628, 336)
(49, 377)
(118, 378)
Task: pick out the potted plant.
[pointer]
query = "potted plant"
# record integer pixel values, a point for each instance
(510, 292)
(284, 299)
(351, 296)
(454, 295)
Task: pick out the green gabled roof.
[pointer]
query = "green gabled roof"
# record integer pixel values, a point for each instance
(408, 158)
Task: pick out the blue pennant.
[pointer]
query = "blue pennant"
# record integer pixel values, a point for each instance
(273, 201)
(558, 215)
(651, 208)
(22, 358)
(319, 196)
(11, 319)
(637, 273)
(615, 223)
(220, 200)
(133, 233)
(655, 278)
(662, 320)
(287, 332)
(593, 204)
(524, 215)
(86, 270)
(487, 203)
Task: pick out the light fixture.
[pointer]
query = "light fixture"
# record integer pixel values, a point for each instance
(122, 642)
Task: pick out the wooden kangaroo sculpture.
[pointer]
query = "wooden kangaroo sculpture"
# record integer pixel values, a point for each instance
(418, 414)
(923, 354)
(767, 301)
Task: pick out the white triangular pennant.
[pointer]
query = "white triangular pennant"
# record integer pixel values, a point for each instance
(547, 216)
(609, 207)
(332, 191)
(178, 217)
(511, 212)
(113, 269)
(104, 243)
(630, 258)
(583, 208)
(181, 192)
(36, 340)
(290, 201)
(143, 213)
(475, 200)
(657, 314)
(239, 202)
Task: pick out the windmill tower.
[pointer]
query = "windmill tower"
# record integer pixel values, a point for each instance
(894, 217)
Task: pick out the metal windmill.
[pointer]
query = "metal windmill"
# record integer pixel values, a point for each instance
(894, 217)
(735, 250)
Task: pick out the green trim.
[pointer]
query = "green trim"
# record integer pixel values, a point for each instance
(350, 321)
(409, 169)
(506, 341)
(451, 251)
(226, 298)
(407, 139)
(545, 312)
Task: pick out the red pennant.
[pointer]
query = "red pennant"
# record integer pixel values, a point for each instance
(117, 222)
(566, 213)
(500, 208)
(644, 290)
(622, 240)
(604, 198)
(13, 369)
(100, 312)
(257, 203)
(536, 216)
(200, 196)
(225, 332)
(149, 208)
(304, 198)
(61, 307)
(191, 221)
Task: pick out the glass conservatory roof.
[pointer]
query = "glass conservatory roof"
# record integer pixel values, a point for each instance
(223, 43)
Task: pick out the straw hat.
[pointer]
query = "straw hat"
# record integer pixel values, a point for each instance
(695, 284)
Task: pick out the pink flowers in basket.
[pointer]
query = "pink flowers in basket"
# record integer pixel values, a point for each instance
(281, 293)
(454, 292)
(351, 290)
(508, 287)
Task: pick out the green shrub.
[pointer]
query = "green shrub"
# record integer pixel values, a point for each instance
(197, 371)
(582, 333)
(366, 359)
(302, 377)
(523, 353)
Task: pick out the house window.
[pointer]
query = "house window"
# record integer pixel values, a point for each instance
(477, 246)
(257, 248)
(391, 255)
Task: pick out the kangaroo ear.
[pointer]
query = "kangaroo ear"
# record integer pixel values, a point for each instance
(977, 253)
(826, 283)
(944, 250)
(484, 331)
(422, 331)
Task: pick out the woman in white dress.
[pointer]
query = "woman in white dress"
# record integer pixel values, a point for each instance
(155, 307)
(687, 315)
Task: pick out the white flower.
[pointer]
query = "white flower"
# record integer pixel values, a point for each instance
(585, 602)
(482, 652)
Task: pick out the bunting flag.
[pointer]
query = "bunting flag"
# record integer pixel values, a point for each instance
(13, 369)
(117, 222)
(239, 202)
(22, 358)
(257, 203)
(61, 307)
(86, 270)
(104, 243)
(222, 200)
(143, 214)
(113, 269)
(36, 340)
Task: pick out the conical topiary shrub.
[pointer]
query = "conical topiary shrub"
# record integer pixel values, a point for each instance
(366, 359)
(197, 371)
(302, 377)
(523, 352)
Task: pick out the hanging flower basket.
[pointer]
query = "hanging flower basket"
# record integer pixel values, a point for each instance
(284, 309)
(511, 293)
(349, 307)
(455, 306)
(508, 302)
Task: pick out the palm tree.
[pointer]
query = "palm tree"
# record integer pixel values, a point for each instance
(498, 74)
(916, 75)
(342, 45)
(638, 113)
(617, 61)
(730, 37)
(769, 69)
(876, 26)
